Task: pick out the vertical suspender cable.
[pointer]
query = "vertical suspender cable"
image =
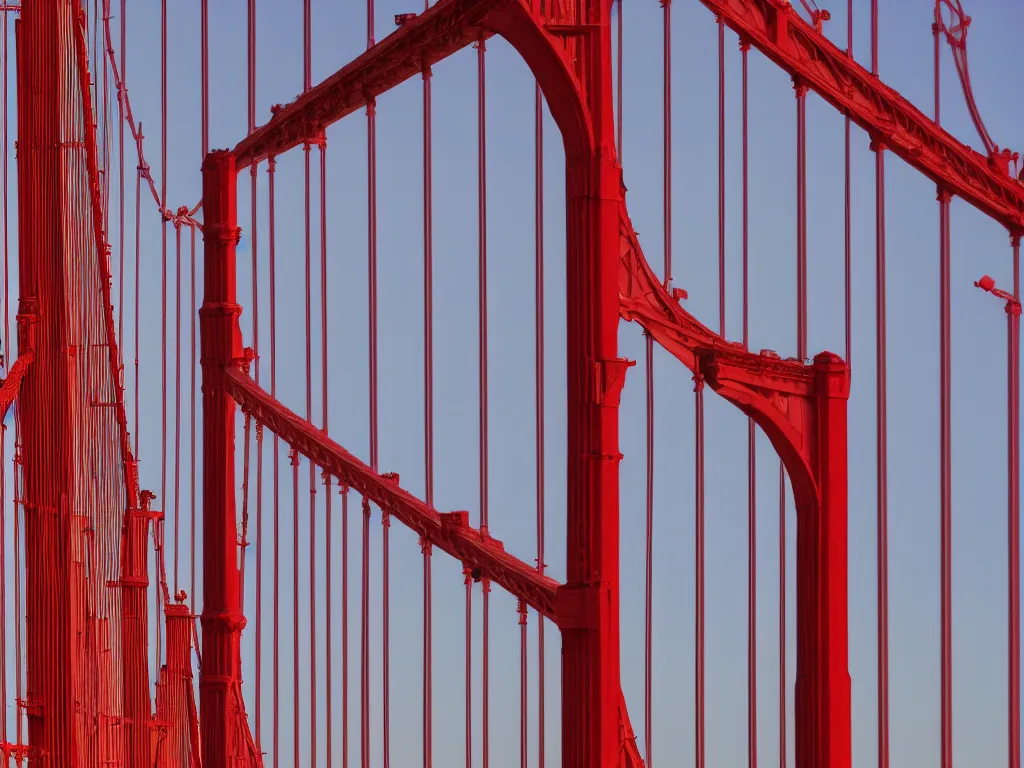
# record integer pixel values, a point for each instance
(428, 412)
(649, 554)
(254, 239)
(306, 84)
(667, 142)
(484, 464)
(371, 138)
(120, 196)
(243, 539)
(3, 427)
(344, 625)
(721, 177)
(945, 447)
(364, 651)
(371, 177)
(847, 223)
(618, 82)
(783, 751)
(881, 427)
(801, 217)
(1013, 504)
(523, 686)
(539, 382)
(699, 516)
(428, 642)
(523, 689)
(204, 59)
(328, 683)
(945, 441)
(468, 581)
(649, 369)
(293, 456)
(192, 432)
(800, 90)
(751, 456)
(177, 396)
(343, 490)
(523, 669)
(18, 667)
(295, 492)
(157, 525)
(385, 521)
(204, 53)
(271, 174)
(138, 273)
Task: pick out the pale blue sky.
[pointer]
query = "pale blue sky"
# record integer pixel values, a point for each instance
(979, 246)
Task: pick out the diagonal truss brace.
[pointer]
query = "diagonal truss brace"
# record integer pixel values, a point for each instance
(777, 393)
(449, 531)
(802, 410)
(776, 29)
(413, 48)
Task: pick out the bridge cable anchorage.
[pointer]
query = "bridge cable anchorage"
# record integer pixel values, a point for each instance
(955, 28)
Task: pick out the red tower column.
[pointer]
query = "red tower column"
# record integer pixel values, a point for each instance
(135, 632)
(589, 603)
(47, 401)
(822, 703)
(221, 346)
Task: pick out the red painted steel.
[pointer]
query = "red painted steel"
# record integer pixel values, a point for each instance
(449, 532)
(79, 536)
(775, 28)
(802, 409)
(222, 619)
(71, 401)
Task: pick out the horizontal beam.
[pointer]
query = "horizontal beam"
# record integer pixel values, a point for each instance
(414, 47)
(776, 29)
(449, 532)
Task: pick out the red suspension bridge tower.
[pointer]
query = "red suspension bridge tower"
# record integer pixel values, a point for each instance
(212, 622)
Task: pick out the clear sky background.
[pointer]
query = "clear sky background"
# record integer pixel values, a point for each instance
(979, 371)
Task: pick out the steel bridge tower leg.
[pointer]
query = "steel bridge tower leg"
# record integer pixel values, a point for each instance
(589, 602)
(48, 405)
(822, 698)
(221, 341)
